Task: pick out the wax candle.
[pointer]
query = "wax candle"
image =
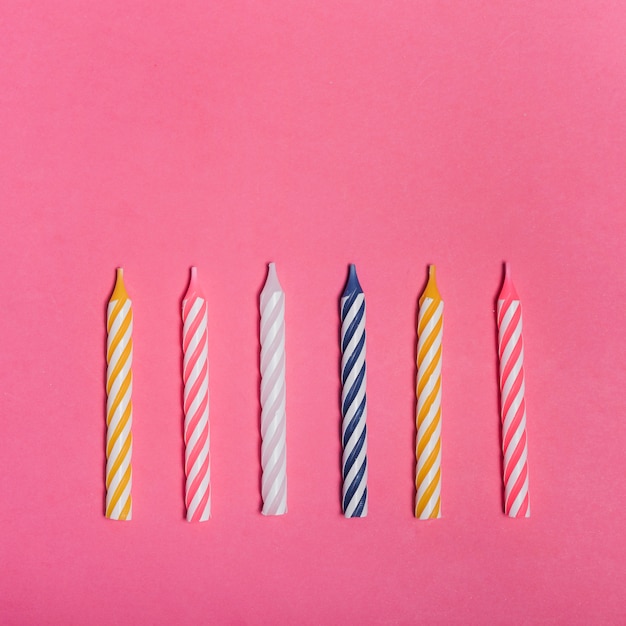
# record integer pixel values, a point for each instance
(119, 387)
(196, 403)
(428, 452)
(353, 399)
(512, 402)
(273, 416)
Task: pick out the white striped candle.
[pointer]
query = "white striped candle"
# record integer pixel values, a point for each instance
(273, 414)
(353, 399)
(512, 401)
(196, 403)
(119, 386)
(429, 352)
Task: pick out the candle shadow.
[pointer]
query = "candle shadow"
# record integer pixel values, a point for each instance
(258, 392)
(104, 425)
(181, 382)
(339, 392)
(497, 378)
(415, 345)
(414, 441)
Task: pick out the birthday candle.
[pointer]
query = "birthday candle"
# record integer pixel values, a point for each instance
(119, 386)
(273, 417)
(196, 403)
(353, 398)
(430, 332)
(512, 403)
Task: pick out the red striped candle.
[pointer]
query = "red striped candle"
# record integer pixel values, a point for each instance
(196, 403)
(512, 403)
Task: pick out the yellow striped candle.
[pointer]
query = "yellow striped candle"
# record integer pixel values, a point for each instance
(119, 386)
(428, 449)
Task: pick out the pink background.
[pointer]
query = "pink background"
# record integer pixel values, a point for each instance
(390, 134)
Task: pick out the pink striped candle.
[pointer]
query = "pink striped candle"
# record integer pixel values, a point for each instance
(196, 403)
(512, 403)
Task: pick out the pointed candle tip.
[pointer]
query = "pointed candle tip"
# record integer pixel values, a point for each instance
(353, 285)
(352, 275)
(119, 291)
(272, 283)
(431, 290)
(193, 289)
(193, 279)
(508, 291)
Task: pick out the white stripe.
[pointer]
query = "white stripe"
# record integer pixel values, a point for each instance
(195, 471)
(119, 349)
(202, 393)
(353, 439)
(198, 338)
(352, 379)
(118, 382)
(353, 472)
(429, 387)
(511, 343)
(353, 344)
(508, 316)
(195, 502)
(513, 409)
(353, 408)
(351, 313)
(117, 321)
(356, 498)
(194, 436)
(517, 503)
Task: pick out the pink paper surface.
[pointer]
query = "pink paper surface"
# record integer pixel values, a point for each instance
(159, 135)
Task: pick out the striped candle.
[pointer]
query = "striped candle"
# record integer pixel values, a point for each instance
(512, 403)
(119, 387)
(196, 403)
(428, 452)
(273, 417)
(353, 399)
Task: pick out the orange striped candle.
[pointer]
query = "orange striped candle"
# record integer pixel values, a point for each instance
(119, 387)
(428, 449)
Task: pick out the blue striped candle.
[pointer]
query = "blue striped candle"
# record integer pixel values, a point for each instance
(353, 398)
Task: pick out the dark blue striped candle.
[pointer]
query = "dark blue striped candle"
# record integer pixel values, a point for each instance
(353, 398)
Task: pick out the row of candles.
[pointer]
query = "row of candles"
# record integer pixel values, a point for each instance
(353, 400)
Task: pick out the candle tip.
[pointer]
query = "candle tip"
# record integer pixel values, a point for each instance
(272, 283)
(193, 279)
(119, 291)
(508, 291)
(431, 290)
(193, 289)
(353, 285)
